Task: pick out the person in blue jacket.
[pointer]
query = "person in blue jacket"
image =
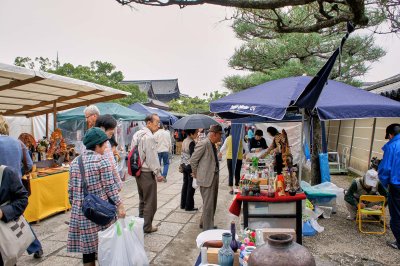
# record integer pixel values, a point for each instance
(389, 175)
(12, 155)
(13, 197)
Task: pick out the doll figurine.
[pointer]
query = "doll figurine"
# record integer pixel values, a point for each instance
(289, 172)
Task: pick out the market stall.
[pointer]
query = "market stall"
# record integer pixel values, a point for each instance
(277, 100)
(30, 93)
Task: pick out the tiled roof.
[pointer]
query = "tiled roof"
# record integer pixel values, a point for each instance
(164, 90)
(389, 87)
(389, 84)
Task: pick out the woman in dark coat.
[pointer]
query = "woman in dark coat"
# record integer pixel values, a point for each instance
(13, 192)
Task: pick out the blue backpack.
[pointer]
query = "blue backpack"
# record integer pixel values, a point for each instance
(94, 208)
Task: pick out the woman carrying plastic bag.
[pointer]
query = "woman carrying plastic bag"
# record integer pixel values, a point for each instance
(123, 244)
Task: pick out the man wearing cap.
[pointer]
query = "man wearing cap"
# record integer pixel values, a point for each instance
(367, 185)
(150, 171)
(205, 168)
(389, 175)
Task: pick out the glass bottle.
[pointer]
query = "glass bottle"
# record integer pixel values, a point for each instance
(225, 254)
(234, 244)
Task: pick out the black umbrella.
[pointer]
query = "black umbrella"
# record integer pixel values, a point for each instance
(195, 122)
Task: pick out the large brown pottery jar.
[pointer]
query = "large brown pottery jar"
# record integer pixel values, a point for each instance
(280, 250)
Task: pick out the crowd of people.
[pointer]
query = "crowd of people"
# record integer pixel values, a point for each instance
(95, 172)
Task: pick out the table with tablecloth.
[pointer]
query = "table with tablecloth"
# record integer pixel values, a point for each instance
(49, 195)
(269, 211)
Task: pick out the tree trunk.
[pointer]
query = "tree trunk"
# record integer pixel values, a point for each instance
(315, 150)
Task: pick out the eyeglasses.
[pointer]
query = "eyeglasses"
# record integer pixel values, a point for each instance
(88, 116)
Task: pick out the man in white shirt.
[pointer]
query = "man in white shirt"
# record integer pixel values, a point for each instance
(150, 171)
(164, 145)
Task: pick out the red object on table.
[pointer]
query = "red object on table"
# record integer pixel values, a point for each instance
(237, 202)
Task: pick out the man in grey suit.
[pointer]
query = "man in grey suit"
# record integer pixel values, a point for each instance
(205, 168)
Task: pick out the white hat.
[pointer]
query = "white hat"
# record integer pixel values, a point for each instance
(371, 178)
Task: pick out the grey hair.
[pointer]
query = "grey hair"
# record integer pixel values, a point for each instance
(92, 110)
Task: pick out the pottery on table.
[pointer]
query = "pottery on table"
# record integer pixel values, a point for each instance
(280, 250)
(225, 254)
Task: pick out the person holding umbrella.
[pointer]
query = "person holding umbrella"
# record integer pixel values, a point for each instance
(187, 193)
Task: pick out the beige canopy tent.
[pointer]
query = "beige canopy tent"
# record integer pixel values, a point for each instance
(27, 92)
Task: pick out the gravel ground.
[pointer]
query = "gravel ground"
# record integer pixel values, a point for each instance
(342, 243)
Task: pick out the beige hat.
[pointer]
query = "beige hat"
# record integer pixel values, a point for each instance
(371, 178)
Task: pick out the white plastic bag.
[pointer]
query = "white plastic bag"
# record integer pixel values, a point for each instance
(123, 244)
(316, 226)
(194, 183)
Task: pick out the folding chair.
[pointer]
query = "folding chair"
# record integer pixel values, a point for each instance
(362, 213)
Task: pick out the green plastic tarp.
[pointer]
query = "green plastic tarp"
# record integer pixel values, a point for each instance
(116, 110)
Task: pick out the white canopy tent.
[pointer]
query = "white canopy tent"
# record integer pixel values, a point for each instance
(30, 93)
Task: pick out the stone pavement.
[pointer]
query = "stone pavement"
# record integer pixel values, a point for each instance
(174, 242)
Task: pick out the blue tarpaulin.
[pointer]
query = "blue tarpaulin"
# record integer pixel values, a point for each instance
(165, 117)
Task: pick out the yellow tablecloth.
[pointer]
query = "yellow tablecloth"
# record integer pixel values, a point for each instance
(49, 195)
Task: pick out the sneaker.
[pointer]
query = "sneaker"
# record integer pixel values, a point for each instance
(38, 254)
(392, 244)
(165, 180)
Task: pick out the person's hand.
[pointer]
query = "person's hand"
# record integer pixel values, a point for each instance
(160, 178)
(362, 205)
(219, 155)
(193, 175)
(376, 207)
(121, 211)
(1, 214)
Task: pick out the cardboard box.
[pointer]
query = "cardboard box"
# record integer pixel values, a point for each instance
(272, 231)
(212, 256)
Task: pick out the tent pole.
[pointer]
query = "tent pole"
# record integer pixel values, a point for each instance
(302, 146)
(47, 125)
(54, 115)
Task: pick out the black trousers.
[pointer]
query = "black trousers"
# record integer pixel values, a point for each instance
(237, 171)
(394, 210)
(187, 193)
(87, 258)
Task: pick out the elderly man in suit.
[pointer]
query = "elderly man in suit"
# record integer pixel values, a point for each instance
(205, 168)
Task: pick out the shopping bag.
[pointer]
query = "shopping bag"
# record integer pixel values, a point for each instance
(135, 225)
(111, 250)
(15, 238)
(123, 244)
(134, 245)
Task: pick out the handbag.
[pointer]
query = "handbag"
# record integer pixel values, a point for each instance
(181, 168)
(16, 236)
(94, 208)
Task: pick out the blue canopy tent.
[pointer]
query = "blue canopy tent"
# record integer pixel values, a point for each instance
(331, 100)
(165, 117)
(337, 101)
(172, 118)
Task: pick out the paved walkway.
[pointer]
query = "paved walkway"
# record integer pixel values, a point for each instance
(174, 242)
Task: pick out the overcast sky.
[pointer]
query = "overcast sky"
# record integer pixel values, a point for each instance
(190, 44)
